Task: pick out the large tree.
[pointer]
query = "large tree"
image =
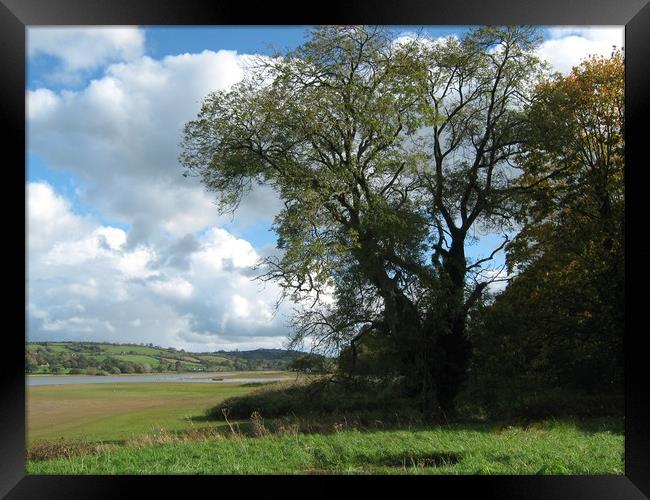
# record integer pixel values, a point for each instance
(476, 94)
(386, 154)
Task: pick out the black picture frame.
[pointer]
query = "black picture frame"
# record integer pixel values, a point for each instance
(16, 15)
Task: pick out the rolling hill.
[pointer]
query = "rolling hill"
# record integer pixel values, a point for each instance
(97, 358)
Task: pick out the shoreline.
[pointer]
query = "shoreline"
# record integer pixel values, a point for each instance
(152, 373)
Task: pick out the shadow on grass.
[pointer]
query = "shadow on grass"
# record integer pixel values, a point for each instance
(419, 460)
(371, 422)
(613, 425)
(325, 464)
(329, 405)
(198, 419)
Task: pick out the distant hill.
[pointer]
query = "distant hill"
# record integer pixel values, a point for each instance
(262, 354)
(106, 358)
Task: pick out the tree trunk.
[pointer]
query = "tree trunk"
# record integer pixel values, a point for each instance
(434, 355)
(453, 343)
(456, 349)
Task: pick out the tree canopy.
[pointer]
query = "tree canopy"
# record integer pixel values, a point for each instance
(386, 153)
(559, 324)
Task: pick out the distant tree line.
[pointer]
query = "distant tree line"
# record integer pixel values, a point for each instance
(93, 359)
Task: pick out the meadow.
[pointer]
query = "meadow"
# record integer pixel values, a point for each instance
(120, 411)
(161, 428)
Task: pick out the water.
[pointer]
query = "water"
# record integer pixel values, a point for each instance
(228, 378)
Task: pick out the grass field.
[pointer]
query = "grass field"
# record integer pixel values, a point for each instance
(159, 428)
(551, 448)
(115, 412)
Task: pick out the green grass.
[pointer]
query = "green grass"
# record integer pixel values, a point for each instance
(98, 358)
(108, 412)
(119, 349)
(134, 358)
(139, 358)
(58, 348)
(555, 447)
(160, 428)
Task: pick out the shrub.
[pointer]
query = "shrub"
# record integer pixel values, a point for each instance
(526, 401)
(62, 449)
(257, 425)
(323, 396)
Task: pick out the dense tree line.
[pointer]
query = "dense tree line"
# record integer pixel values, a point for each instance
(39, 360)
(559, 324)
(55, 360)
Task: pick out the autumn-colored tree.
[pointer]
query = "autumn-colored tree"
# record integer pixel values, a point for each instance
(560, 321)
(574, 159)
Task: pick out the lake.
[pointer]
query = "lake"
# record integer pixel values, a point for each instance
(228, 378)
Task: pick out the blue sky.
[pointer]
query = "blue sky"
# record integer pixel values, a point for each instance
(164, 41)
(249, 39)
(120, 246)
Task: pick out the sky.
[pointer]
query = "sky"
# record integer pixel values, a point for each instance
(120, 246)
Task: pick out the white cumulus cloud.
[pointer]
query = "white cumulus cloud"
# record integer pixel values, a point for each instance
(84, 282)
(566, 46)
(78, 49)
(120, 136)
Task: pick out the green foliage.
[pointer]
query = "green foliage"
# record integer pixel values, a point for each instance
(319, 397)
(374, 357)
(311, 363)
(558, 327)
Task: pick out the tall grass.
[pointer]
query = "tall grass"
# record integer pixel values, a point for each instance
(550, 447)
